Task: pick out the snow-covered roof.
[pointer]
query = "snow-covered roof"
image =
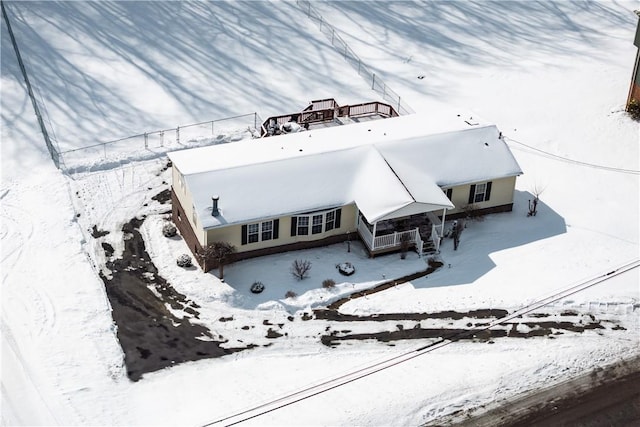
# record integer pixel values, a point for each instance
(389, 168)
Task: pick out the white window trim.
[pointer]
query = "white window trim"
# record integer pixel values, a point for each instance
(309, 217)
(260, 231)
(483, 192)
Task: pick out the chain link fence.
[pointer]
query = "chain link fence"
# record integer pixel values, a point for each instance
(349, 55)
(155, 144)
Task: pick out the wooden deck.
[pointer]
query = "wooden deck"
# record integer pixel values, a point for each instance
(327, 113)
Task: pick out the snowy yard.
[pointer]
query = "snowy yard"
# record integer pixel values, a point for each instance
(553, 76)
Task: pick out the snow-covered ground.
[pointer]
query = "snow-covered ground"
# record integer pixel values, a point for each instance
(553, 76)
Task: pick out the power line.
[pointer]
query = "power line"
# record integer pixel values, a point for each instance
(575, 162)
(350, 377)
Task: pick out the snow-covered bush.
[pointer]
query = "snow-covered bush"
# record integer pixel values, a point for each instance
(346, 268)
(257, 287)
(184, 261)
(169, 230)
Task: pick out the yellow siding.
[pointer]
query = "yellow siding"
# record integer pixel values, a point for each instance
(233, 233)
(501, 194)
(184, 196)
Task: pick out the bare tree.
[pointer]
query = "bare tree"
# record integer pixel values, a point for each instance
(533, 204)
(218, 252)
(300, 268)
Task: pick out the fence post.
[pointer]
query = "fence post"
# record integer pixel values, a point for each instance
(161, 138)
(373, 81)
(212, 121)
(178, 135)
(104, 147)
(146, 140)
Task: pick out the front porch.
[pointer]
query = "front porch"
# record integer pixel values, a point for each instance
(422, 232)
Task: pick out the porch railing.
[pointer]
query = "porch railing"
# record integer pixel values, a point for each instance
(366, 235)
(395, 239)
(435, 237)
(436, 230)
(387, 241)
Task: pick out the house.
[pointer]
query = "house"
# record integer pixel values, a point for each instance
(387, 182)
(634, 88)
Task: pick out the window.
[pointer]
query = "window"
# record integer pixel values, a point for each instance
(260, 231)
(318, 221)
(303, 225)
(316, 227)
(480, 192)
(253, 233)
(330, 218)
(267, 230)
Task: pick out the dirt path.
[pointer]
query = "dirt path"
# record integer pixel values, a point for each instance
(608, 396)
(152, 336)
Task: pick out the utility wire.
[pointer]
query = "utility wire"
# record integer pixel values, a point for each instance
(347, 378)
(575, 162)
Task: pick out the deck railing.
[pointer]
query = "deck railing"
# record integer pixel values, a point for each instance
(315, 113)
(370, 108)
(322, 104)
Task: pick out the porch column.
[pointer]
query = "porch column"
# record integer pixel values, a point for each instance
(444, 214)
(373, 235)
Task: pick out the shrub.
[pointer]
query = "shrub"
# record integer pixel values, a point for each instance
(634, 110)
(405, 242)
(328, 283)
(434, 262)
(184, 261)
(169, 230)
(220, 252)
(257, 287)
(290, 294)
(300, 268)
